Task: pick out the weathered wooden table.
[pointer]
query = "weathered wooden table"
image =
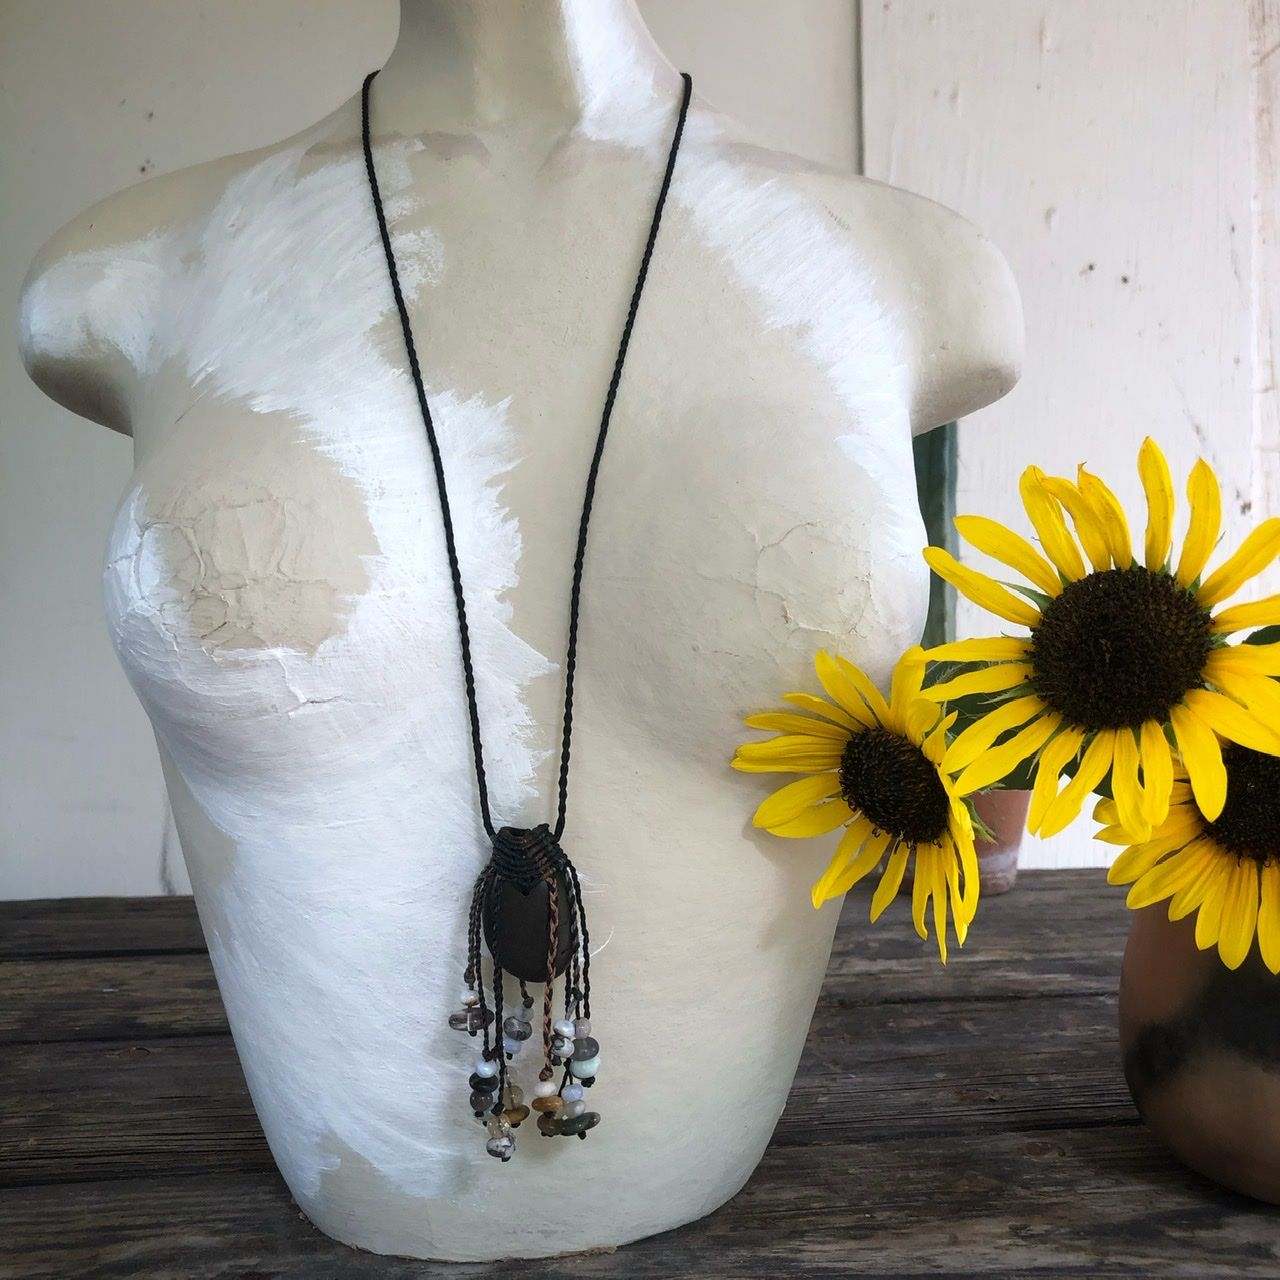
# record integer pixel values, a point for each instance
(958, 1122)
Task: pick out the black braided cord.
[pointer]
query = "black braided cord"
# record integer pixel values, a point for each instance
(579, 561)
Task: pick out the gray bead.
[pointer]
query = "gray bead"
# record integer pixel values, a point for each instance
(481, 1101)
(579, 1124)
(471, 1021)
(582, 1027)
(516, 1029)
(584, 1047)
(482, 1084)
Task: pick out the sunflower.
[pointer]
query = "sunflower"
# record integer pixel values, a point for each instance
(1126, 657)
(1226, 869)
(876, 771)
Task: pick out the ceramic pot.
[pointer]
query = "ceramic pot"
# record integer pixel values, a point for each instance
(1005, 812)
(1201, 1048)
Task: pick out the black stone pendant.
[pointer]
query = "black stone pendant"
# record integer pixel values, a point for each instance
(516, 911)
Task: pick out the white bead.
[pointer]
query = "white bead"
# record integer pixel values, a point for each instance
(545, 1089)
(572, 1093)
(486, 1068)
(586, 1068)
(469, 999)
(563, 1027)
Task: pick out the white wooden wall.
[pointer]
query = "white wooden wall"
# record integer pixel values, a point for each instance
(1108, 147)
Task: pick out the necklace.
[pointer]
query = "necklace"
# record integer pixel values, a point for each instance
(527, 902)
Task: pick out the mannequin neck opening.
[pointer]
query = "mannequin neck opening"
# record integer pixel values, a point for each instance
(466, 64)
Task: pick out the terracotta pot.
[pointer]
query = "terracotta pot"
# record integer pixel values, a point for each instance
(1005, 812)
(1201, 1051)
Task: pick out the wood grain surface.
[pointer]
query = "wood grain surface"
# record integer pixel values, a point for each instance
(946, 1122)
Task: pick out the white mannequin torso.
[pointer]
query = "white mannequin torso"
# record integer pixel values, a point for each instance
(277, 588)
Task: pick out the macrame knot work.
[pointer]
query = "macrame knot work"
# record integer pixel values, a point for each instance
(527, 909)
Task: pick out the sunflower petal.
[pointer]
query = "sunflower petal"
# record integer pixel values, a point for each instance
(970, 743)
(951, 869)
(920, 888)
(817, 820)
(1138, 859)
(1205, 867)
(1269, 917)
(790, 753)
(1254, 554)
(983, 591)
(821, 707)
(1113, 833)
(1258, 659)
(962, 834)
(1239, 914)
(938, 889)
(851, 843)
(1093, 768)
(1209, 917)
(844, 873)
(890, 882)
(999, 762)
(1202, 756)
(1233, 722)
(1164, 880)
(1050, 526)
(908, 675)
(1240, 617)
(985, 649)
(1053, 759)
(1089, 529)
(1206, 520)
(1157, 771)
(849, 686)
(1125, 787)
(1110, 513)
(993, 539)
(782, 722)
(996, 678)
(935, 745)
(1157, 484)
(918, 719)
(789, 803)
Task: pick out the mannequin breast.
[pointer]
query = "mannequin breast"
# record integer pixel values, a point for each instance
(278, 593)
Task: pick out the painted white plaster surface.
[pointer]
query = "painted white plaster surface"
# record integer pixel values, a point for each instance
(277, 591)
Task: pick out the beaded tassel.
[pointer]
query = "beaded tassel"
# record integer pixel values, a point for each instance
(527, 907)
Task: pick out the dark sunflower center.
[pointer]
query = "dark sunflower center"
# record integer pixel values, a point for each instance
(1249, 824)
(890, 780)
(1119, 647)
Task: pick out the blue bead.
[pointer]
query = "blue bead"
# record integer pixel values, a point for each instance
(584, 1068)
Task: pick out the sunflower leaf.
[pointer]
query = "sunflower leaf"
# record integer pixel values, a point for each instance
(1264, 635)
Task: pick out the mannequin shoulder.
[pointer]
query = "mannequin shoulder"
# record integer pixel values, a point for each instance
(950, 288)
(88, 306)
(948, 291)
